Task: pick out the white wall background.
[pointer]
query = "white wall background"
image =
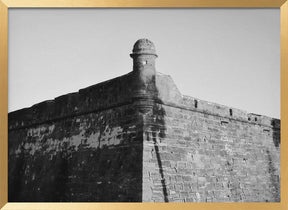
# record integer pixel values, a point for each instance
(227, 56)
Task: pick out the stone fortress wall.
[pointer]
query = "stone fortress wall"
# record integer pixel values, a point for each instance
(84, 146)
(135, 138)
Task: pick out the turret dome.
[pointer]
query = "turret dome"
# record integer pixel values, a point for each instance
(144, 46)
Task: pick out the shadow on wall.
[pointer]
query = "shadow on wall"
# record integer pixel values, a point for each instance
(15, 182)
(61, 178)
(274, 178)
(276, 132)
(27, 188)
(159, 128)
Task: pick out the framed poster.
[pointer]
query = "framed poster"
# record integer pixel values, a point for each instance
(137, 137)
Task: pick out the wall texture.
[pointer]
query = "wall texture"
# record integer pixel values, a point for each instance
(85, 146)
(196, 151)
(136, 138)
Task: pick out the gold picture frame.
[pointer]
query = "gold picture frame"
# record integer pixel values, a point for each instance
(6, 4)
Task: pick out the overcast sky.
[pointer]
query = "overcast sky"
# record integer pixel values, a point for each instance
(227, 56)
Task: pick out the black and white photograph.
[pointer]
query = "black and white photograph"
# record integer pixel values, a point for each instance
(144, 105)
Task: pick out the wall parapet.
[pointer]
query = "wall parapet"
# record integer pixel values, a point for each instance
(120, 91)
(168, 94)
(227, 112)
(105, 95)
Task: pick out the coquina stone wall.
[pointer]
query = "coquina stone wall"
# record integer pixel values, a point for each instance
(196, 151)
(85, 146)
(137, 139)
